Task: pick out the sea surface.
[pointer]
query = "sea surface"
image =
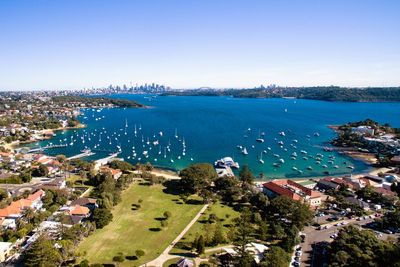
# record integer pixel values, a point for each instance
(209, 128)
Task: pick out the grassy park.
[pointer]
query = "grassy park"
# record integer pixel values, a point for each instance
(225, 215)
(137, 226)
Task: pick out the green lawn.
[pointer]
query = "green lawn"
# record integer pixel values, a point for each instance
(224, 213)
(132, 229)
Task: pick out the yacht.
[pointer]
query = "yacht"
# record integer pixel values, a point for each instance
(260, 139)
(244, 151)
(261, 160)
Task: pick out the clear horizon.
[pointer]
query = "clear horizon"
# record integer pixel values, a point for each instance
(73, 44)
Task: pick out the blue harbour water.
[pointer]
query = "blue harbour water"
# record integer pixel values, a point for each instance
(213, 127)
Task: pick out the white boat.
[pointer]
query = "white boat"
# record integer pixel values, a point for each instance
(261, 160)
(244, 151)
(282, 134)
(260, 139)
(227, 161)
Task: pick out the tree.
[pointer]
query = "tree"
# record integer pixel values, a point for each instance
(28, 214)
(200, 245)
(197, 177)
(41, 171)
(102, 217)
(276, 257)
(122, 165)
(42, 253)
(244, 235)
(26, 176)
(246, 176)
(3, 194)
(295, 212)
(355, 247)
(139, 253)
(219, 236)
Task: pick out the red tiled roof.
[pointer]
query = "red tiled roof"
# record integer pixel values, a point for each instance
(278, 186)
(79, 210)
(278, 189)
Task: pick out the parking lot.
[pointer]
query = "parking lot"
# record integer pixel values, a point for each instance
(327, 232)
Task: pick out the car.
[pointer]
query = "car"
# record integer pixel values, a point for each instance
(298, 249)
(296, 264)
(298, 253)
(297, 259)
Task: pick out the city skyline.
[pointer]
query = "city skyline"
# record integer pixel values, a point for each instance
(189, 44)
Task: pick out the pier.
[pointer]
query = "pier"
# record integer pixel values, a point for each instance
(37, 149)
(103, 161)
(82, 155)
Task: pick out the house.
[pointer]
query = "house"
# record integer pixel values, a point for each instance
(363, 130)
(76, 210)
(362, 204)
(56, 184)
(90, 203)
(115, 173)
(5, 249)
(327, 184)
(14, 211)
(293, 190)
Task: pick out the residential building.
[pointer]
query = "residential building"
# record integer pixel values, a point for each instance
(292, 190)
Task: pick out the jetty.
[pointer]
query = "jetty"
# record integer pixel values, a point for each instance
(45, 147)
(85, 153)
(103, 161)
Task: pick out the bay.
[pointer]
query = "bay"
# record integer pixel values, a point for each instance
(213, 127)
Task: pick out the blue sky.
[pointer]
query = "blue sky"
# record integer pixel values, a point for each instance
(185, 44)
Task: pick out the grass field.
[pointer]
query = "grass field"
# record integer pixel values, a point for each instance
(224, 213)
(133, 229)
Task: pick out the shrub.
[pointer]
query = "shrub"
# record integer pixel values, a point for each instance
(140, 253)
(167, 214)
(119, 258)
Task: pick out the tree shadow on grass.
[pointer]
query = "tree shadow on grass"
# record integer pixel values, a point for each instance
(160, 219)
(186, 255)
(131, 258)
(194, 202)
(155, 229)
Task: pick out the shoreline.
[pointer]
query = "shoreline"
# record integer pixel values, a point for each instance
(16, 144)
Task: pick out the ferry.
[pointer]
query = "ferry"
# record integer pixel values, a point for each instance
(227, 161)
